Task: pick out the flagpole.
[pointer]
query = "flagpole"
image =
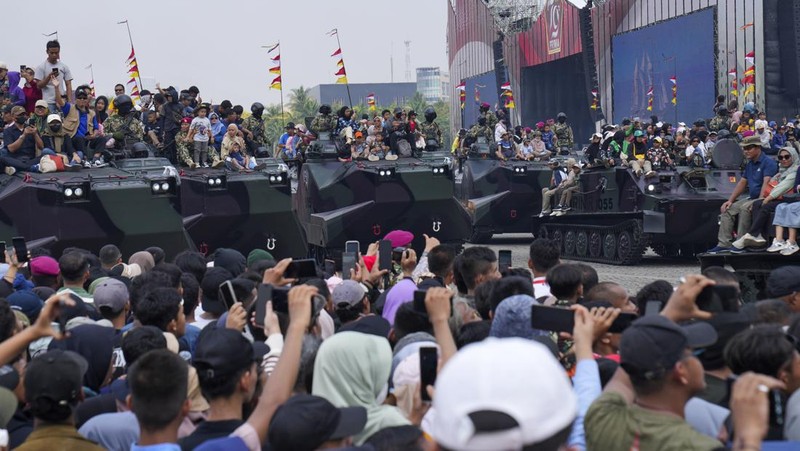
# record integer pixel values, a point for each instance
(130, 38)
(51, 34)
(283, 115)
(347, 82)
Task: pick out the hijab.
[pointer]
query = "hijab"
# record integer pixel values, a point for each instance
(95, 343)
(352, 369)
(144, 259)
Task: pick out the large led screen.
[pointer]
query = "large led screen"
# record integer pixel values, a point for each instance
(486, 85)
(647, 58)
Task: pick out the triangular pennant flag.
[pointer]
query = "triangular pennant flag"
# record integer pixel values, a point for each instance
(341, 72)
(751, 89)
(594, 93)
(273, 48)
(341, 81)
(275, 70)
(134, 76)
(277, 80)
(134, 69)
(340, 63)
(506, 86)
(750, 70)
(132, 55)
(462, 86)
(277, 57)
(732, 73)
(276, 86)
(337, 52)
(673, 79)
(750, 57)
(650, 91)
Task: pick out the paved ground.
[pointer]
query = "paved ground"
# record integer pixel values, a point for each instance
(633, 278)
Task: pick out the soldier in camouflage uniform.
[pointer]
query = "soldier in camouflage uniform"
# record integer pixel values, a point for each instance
(481, 130)
(563, 134)
(184, 147)
(430, 131)
(721, 121)
(325, 121)
(491, 118)
(254, 129)
(124, 125)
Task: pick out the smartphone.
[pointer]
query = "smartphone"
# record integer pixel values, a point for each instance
(330, 268)
(428, 363)
(280, 299)
(652, 308)
(777, 405)
(22, 67)
(2, 252)
(504, 260)
(385, 255)
(20, 248)
(226, 294)
(558, 319)
(55, 71)
(352, 247)
(301, 269)
(263, 296)
(419, 301)
(718, 298)
(397, 254)
(348, 263)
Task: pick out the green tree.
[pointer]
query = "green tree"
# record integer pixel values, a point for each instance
(417, 103)
(274, 122)
(302, 105)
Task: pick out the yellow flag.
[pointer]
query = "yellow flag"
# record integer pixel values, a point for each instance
(341, 81)
(275, 86)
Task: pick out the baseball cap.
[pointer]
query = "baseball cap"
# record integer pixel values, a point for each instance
(224, 352)
(501, 393)
(3, 65)
(53, 117)
(54, 380)
(657, 139)
(348, 292)
(44, 265)
(212, 279)
(111, 293)
(26, 302)
(654, 344)
(399, 238)
(597, 135)
(783, 281)
(638, 133)
(40, 103)
(305, 422)
(290, 126)
(553, 162)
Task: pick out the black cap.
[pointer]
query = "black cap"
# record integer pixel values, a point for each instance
(225, 352)
(305, 422)
(210, 285)
(290, 126)
(652, 345)
(370, 325)
(783, 281)
(9, 377)
(54, 379)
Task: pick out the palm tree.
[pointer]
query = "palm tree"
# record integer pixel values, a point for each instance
(274, 122)
(301, 104)
(418, 104)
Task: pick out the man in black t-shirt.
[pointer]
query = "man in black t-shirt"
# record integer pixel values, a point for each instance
(227, 367)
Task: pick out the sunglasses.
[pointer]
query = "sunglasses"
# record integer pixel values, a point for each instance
(784, 157)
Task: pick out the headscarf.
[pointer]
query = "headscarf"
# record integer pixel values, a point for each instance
(144, 259)
(352, 369)
(398, 295)
(786, 177)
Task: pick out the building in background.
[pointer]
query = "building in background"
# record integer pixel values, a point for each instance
(433, 84)
(385, 93)
(623, 50)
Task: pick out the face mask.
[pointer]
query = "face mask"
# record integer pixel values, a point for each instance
(146, 99)
(20, 120)
(55, 127)
(561, 120)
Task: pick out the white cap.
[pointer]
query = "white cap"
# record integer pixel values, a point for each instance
(682, 124)
(598, 135)
(3, 65)
(761, 124)
(53, 117)
(513, 376)
(659, 124)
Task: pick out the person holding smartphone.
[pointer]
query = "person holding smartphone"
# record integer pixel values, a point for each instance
(53, 69)
(23, 142)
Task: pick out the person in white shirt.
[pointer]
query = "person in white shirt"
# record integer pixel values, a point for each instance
(543, 255)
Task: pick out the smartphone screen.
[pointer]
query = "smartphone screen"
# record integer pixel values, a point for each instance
(263, 296)
(428, 363)
(55, 71)
(385, 255)
(718, 298)
(352, 247)
(348, 263)
(419, 301)
(226, 294)
(558, 319)
(301, 269)
(504, 260)
(280, 299)
(2, 252)
(20, 248)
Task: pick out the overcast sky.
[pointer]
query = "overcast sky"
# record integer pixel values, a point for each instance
(216, 45)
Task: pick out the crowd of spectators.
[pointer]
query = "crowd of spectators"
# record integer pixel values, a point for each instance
(173, 352)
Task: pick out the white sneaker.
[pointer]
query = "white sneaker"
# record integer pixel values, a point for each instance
(545, 213)
(743, 241)
(754, 241)
(790, 249)
(777, 246)
(10, 170)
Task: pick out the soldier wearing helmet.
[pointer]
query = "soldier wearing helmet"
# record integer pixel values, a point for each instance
(486, 113)
(430, 131)
(325, 121)
(124, 125)
(565, 140)
(254, 129)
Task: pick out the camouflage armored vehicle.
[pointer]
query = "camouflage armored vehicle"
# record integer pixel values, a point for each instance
(238, 210)
(364, 200)
(89, 209)
(501, 196)
(615, 215)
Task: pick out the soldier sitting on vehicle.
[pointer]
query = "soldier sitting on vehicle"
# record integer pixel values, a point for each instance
(430, 131)
(481, 130)
(556, 180)
(254, 129)
(324, 122)
(569, 186)
(126, 129)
